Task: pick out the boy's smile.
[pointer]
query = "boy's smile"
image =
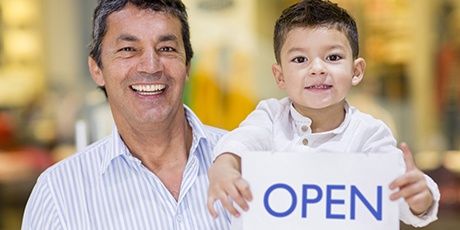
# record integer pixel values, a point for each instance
(317, 68)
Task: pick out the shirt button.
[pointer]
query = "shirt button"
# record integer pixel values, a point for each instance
(304, 128)
(179, 218)
(305, 141)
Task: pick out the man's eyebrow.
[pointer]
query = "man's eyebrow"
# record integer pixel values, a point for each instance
(127, 37)
(167, 37)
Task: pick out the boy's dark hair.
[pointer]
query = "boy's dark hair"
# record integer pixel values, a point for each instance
(315, 13)
(107, 7)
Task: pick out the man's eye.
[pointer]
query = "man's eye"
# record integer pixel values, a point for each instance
(299, 59)
(167, 49)
(334, 57)
(127, 49)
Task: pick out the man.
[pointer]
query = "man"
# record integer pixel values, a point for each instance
(151, 173)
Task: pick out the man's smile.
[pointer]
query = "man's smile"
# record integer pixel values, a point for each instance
(148, 89)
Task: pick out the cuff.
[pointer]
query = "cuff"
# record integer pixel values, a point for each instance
(427, 217)
(234, 147)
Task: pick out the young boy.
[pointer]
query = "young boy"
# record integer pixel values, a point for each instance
(316, 50)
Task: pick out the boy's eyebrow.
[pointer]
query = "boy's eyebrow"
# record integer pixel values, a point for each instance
(293, 49)
(335, 46)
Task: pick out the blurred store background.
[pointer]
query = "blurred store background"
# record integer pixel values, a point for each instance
(47, 96)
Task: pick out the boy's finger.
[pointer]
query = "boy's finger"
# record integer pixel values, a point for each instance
(243, 187)
(227, 203)
(408, 158)
(211, 208)
(241, 202)
(237, 198)
(405, 179)
(408, 191)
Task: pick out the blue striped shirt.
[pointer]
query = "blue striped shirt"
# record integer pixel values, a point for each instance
(105, 187)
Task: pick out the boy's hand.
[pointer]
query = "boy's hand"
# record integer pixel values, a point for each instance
(412, 185)
(227, 185)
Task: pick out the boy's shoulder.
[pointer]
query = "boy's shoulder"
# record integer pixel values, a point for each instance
(366, 120)
(274, 105)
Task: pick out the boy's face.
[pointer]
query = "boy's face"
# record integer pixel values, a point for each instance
(317, 68)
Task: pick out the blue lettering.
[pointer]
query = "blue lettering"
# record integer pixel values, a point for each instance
(377, 213)
(305, 200)
(309, 197)
(330, 201)
(267, 196)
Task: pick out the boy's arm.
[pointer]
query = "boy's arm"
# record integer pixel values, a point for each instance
(421, 194)
(253, 134)
(227, 185)
(418, 190)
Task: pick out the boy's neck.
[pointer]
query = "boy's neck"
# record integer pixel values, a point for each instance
(325, 119)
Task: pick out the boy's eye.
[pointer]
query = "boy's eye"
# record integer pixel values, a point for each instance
(299, 59)
(334, 57)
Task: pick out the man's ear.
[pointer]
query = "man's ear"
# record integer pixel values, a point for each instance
(278, 75)
(187, 77)
(96, 72)
(359, 65)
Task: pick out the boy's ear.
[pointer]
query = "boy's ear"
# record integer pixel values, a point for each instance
(359, 66)
(96, 72)
(278, 75)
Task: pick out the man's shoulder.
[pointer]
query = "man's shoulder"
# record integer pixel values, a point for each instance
(86, 160)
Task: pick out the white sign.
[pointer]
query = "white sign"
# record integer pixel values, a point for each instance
(321, 191)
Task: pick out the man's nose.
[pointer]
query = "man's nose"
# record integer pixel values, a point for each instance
(317, 67)
(149, 63)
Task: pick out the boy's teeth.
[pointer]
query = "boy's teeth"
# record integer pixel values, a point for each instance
(319, 86)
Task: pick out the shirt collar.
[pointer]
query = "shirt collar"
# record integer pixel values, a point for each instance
(301, 120)
(117, 147)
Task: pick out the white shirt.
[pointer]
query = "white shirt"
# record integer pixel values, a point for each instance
(275, 125)
(106, 187)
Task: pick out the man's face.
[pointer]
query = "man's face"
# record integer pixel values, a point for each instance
(143, 66)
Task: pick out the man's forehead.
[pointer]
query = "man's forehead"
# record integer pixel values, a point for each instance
(135, 21)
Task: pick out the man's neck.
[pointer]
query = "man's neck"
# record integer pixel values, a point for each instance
(162, 148)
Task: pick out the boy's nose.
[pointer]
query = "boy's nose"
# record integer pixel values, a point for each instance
(149, 63)
(317, 67)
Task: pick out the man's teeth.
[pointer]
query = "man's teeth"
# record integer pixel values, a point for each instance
(149, 89)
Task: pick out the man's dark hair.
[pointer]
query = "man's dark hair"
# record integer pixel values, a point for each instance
(107, 7)
(315, 13)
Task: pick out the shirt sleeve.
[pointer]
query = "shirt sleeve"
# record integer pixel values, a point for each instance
(41, 211)
(431, 215)
(253, 134)
(382, 141)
